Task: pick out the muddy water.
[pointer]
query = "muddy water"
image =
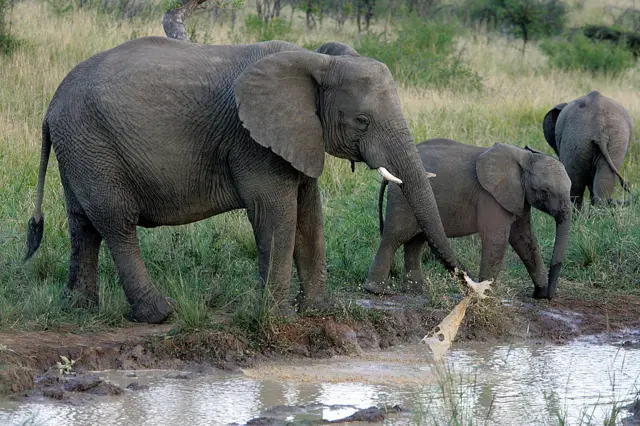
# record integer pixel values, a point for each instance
(519, 384)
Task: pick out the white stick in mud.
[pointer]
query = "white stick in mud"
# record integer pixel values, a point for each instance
(440, 338)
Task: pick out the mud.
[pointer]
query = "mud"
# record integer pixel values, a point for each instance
(26, 356)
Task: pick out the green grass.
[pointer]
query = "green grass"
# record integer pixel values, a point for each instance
(210, 267)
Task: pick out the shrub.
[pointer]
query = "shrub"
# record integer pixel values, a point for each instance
(422, 55)
(582, 54)
(275, 29)
(7, 42)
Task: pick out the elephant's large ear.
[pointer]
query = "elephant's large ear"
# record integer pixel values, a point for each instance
(335, 48)
(500, 174)
(276, 99)
(549, 125)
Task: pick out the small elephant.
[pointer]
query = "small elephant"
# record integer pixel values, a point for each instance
(485, 191)
(591, 136)
(158, 132)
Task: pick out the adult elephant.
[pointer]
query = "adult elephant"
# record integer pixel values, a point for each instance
(164, 132)
(591, 136)
(486, 191)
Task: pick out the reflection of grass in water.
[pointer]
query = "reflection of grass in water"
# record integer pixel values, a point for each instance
(456, 400)
(611, 411)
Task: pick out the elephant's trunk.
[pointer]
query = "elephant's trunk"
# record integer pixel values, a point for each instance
(406, 166)
(563, 227)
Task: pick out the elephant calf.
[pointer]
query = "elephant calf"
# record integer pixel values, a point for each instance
(591, 136)
(485, 191)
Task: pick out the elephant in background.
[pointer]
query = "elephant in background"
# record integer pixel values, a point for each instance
(591, 136)
(485, 191)
(158, 132)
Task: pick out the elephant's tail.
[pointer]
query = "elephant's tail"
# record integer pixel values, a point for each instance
(383, 187)
(36, 223)
(602, 145)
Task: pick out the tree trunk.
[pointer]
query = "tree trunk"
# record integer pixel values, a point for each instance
(369, 14)
(173, 20)
(390, 10)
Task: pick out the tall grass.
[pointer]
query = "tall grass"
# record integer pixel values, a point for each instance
(211, 266)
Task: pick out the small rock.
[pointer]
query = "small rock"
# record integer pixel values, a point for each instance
(263, 421)
(53, 393)
(298, 349)
(93, 385)
(232, 367)
(135, 386)
(370, 415)
(179, 376)
(342, 337)
(132, 374)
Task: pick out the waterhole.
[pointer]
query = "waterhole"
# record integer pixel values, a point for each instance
(584, 382)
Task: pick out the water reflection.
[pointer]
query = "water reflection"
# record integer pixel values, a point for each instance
(504, 385)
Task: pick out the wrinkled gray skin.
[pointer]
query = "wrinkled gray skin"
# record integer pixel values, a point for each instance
(591, 136)
(485, 191)
(164, 132)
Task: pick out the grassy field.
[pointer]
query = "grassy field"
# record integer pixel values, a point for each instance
(210, 266)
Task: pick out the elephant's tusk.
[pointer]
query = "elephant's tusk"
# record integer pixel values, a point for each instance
(431, 175)
(388, 176)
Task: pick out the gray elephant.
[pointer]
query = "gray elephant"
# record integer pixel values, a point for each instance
(591, 136)
(164, 132)
(485, 191)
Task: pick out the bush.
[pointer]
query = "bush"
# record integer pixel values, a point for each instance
(582, 54)
(275, 29)
(8, 43)
(422, 55)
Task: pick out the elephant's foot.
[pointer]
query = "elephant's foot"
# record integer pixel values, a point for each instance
(74, 299)
(415, 287)
(154, 311)
(380, 288)
(315, 303)
(414, 283)
(540, 293)
(283, 310)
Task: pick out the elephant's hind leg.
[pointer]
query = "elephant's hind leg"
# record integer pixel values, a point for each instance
(378, 277)
(82, 284)
(115, 218)
(147, 304)
(413, 279)
(309, 253)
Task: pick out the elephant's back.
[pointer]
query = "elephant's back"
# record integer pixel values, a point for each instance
(591, 118)
(149, 67)
(454, 165)
(447, 155)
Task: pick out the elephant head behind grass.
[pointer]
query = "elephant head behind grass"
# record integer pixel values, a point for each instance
(591, 136)
(486, 191)
(164, 132)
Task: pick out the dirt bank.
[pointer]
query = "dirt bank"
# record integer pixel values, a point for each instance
(24, 356)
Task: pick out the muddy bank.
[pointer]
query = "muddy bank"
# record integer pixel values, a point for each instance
(25, 357)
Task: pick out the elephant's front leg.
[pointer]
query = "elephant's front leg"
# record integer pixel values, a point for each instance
(310, 254)
(494, 225)
(273, 219)
(524, 243)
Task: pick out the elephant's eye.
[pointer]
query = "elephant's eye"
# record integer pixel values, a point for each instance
(362, 122)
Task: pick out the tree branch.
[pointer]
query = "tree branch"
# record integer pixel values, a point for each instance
(173, 20)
